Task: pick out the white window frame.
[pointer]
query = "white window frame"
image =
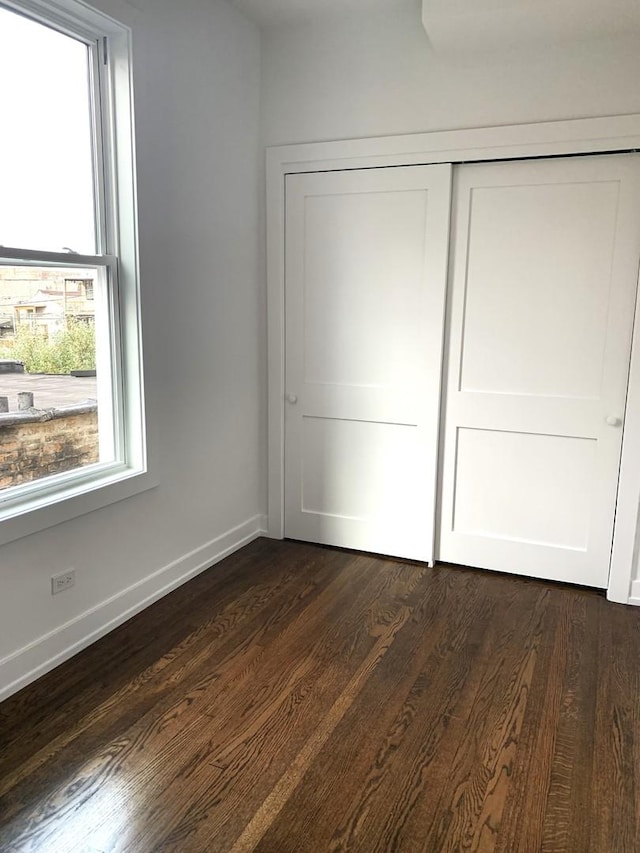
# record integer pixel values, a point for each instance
(43, 503)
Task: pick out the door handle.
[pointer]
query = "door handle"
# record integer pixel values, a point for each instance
(613, 421)
(292, 398)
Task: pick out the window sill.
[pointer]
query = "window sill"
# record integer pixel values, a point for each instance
(82, 495)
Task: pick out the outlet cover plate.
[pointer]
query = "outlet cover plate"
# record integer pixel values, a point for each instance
(63, 581)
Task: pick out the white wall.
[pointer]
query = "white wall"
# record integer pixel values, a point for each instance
(376, 75)
(197, 79)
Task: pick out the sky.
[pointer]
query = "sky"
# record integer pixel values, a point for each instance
(46, 183)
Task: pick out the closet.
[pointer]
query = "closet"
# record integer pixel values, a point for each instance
(457, 346)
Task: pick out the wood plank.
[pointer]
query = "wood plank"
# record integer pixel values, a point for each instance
(615, 790)
(522, 823)
(567, 824)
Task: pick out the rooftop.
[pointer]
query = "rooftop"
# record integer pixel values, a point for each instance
(48, 391)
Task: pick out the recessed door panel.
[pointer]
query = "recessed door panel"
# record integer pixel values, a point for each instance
(340, 477)
(539, 258)
(366, 284)
(542, 293)
(493, 465)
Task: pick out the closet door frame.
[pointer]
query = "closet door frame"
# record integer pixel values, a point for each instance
(615, 134)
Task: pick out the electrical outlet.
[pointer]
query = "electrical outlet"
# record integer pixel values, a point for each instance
(63, 581)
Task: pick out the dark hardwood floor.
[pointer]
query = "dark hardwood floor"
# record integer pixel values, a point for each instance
(297, 698)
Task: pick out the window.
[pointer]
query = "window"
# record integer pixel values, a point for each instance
(87, 283)
(71, 405)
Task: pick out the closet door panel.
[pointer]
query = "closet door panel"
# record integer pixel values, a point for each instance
(543, 281)
(366, 266)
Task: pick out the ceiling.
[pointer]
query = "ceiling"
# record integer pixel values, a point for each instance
(273, 12)
(473, 24)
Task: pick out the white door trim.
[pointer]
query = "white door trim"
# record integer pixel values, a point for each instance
(578, 136)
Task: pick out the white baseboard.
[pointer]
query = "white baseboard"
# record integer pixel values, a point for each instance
(634, 598)
(30, 662)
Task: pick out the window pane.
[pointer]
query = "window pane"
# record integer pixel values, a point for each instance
(46, 163)
(54, 345)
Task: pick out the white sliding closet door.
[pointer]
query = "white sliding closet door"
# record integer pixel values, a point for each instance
(366, 259)
(545, 269)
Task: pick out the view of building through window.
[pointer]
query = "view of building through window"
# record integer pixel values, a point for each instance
(54, 315)
(48, 375)
(44, 302)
